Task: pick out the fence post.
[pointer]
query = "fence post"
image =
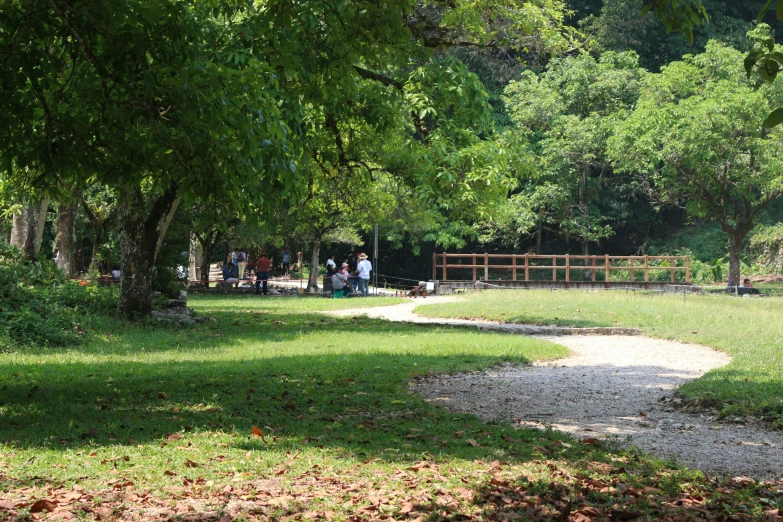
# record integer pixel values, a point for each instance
(474, 268)
(632, 270)
(606, 277)
(688, 269)
(672, 262)
(568, 270)
(434, 266)
(486, 266)
(554, 268)
(594, 270)
(514, 264)
(527, 267)
(445, 261)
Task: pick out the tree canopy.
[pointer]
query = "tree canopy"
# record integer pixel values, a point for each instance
(696, 137)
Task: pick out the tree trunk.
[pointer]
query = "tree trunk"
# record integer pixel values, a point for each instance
(66, 217)
(99, 228)
(538, 240)
(100, 235)
(33, 221)
(139, 238)
(196, 259)
(20, 228)
(735, 248)
(312, 284)
(39, 225)
(588, 274)
(207, 243)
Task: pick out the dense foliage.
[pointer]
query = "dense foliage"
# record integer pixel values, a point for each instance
(39, 307)
(136, 131)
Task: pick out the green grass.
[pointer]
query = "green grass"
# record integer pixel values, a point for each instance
(167, 413)
(749, 329)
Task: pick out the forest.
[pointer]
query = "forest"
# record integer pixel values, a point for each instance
(147, 138)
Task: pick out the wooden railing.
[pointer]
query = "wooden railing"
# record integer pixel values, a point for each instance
(587, 264)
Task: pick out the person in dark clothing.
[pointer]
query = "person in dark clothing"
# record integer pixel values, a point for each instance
(230, 273)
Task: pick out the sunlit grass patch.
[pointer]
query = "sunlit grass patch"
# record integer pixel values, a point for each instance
(749, 329)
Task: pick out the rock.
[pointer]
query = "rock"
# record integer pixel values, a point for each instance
(183, 295)
(173, 317)
(175, 303)
(273, 292)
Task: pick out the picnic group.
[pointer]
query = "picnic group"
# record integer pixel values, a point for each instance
(353, 276)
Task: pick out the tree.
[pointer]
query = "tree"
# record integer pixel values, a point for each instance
(568, 113)
(173, 101)
(64, 227)
(143, 97)
(696, 140)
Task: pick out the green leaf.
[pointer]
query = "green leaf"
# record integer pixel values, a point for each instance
(774, 119)
(763, 11)
(646, 9)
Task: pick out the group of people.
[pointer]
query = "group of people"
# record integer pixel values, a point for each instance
(235, 269)
(353, 275)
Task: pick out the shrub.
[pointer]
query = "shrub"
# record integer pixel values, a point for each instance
(39, 307)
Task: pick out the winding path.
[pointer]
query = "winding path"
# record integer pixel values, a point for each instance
(615, 386)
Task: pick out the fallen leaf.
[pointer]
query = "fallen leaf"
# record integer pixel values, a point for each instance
(472, 442)
(169, 473)
(591, 441)
(43, 504)
(190, 464)
(642, 414)
(509, 439)
(619, 514)
(258, 433)
(407, 507)
(163, 395)
(174, 436)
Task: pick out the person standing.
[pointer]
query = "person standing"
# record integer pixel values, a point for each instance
(286, 263)
(364, 268)
(241, 263)
(331, 268)
(353, 279)
(262, 273)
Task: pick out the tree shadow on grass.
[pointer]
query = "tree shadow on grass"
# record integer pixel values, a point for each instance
(351, 394)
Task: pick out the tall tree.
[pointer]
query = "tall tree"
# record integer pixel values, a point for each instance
(696, 139)
(568, 113)
(171, 101)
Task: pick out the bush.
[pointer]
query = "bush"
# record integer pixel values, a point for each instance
(39, 307)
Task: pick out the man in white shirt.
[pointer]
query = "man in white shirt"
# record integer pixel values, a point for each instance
(364, 268)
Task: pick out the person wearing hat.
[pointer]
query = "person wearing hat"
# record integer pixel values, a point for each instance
(364, 268)
(340, 286)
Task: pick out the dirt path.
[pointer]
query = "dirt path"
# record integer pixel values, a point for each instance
(616, 386)
(404, 313)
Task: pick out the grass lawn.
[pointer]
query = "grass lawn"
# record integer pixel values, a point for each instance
(156, 423)
(750, 329)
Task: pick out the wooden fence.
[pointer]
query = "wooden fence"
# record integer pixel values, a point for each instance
(527, 263)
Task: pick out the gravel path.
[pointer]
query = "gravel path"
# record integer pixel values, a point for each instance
(611, 386)
(404, 313)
